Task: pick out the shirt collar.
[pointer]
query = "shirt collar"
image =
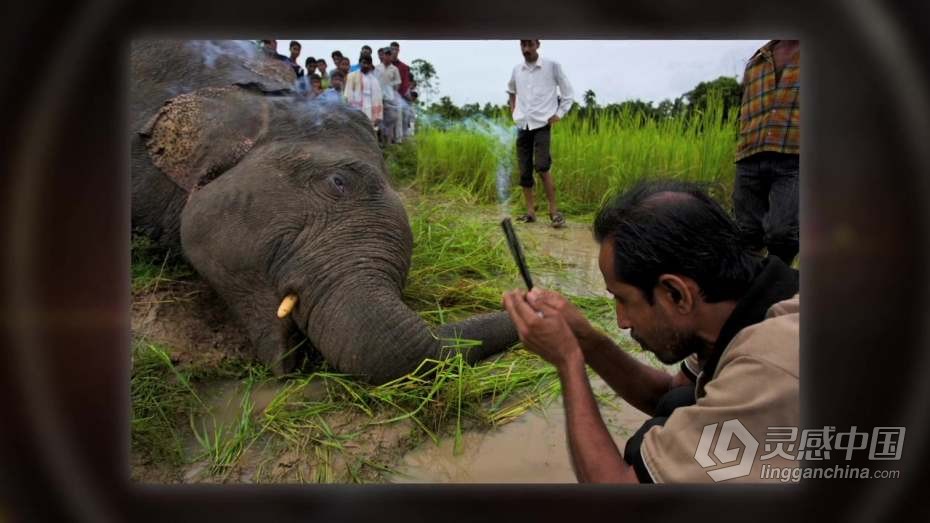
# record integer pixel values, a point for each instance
(538, 63)
(774, 282)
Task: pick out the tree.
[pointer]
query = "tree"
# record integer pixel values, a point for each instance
(727, 88)
(425, 75)
(446, 109)
(590, 99)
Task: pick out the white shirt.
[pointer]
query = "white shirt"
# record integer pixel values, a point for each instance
(390, 78)
(537, 99)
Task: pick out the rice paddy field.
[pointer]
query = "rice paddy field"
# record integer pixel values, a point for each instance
(203, 412)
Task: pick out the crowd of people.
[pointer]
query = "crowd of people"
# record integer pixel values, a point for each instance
(385, 91)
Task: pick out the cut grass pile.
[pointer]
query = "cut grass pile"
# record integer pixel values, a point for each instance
(461, 264)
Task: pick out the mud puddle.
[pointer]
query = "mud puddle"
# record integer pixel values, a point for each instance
(533, 448)
(574, 246)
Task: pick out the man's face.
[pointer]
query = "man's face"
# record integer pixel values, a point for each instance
(344, 65)
(295, 51)
(321, 65)
(656, 326)
(528, 48)
(396, 50)
(336, 83)
(387, 58)
(366, 52)
(366, 66)
(316, 85)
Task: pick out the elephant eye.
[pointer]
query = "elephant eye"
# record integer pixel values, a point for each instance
(339, 183)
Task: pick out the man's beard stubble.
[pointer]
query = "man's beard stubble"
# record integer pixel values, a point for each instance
(675, 350)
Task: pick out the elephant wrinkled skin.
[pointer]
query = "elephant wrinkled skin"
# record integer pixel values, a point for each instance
(268, 196)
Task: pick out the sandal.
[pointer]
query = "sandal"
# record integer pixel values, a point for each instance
(558, 221)
(526, 218)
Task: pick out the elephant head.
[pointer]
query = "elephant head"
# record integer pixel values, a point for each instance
(283, 200)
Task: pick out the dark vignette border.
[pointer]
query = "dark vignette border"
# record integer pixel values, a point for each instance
(64, 358)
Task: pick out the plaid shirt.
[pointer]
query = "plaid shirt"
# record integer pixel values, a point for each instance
(770, 113)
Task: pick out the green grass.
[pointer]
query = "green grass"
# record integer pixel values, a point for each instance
(161, 398)
(590, 162)
(461, 264)
(317, 425)
(152, 265)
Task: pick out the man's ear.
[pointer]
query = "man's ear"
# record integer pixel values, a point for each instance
(678, 292)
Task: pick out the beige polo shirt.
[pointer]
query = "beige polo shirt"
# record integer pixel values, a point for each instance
(755, 383)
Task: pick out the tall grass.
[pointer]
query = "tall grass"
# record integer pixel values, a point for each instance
(459, 158)
(591, 159)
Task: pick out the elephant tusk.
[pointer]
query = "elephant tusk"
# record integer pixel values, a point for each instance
(287, 305)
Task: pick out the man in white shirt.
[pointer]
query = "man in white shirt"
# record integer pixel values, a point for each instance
(389, 76)
(363, 92)
(540, 95)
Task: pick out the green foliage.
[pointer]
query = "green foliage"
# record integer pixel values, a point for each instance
(460, 264)
(401, 160)
(724, 88)
(424, 74)
(459, 158)
(161, 396)
(593, 158)
(590, 99)
(151, 265)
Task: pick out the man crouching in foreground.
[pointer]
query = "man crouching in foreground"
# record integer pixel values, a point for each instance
(689, 292)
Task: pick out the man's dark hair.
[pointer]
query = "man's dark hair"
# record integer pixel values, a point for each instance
(336, 53)
(310, 60)
(671, 227)
(394, 44)
(366, 46)
(339, 73)
(315, 76)
(293, 43)
(364, 59)
(318, 60)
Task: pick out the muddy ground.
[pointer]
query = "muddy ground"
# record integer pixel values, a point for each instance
(191, 320)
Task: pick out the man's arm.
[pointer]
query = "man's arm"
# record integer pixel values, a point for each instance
(512, 90)
(566, 93)
(595, 457)
(641, 385)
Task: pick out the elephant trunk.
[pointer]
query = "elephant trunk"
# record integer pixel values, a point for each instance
(367, 330)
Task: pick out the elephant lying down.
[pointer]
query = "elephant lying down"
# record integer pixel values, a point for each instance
(281, 204)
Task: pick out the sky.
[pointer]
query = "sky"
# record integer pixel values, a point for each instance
(472, 71)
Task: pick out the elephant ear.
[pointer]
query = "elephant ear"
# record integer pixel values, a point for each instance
(197, 136)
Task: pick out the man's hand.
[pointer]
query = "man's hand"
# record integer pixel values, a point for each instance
(543, 330)
(580, 326)
(554, 118)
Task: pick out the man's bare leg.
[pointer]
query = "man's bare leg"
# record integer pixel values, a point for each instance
(550, 192)
(530, 201)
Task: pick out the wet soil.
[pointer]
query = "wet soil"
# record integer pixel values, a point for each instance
(191, 320)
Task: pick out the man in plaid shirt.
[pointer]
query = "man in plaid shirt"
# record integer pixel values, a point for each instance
(765, 192)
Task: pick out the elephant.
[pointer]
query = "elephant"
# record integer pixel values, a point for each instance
(284, 207)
